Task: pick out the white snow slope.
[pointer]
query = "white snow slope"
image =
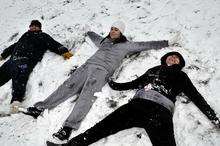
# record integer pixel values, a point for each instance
(196, 21)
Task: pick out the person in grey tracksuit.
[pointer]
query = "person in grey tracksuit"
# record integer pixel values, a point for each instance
(92, 76)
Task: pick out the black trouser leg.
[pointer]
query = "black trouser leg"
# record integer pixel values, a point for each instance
(156, 120)
(20, 77)
(5, 73)
(161, 132)
(113, 123)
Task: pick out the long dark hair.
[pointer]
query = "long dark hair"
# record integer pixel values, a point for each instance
(121, 39)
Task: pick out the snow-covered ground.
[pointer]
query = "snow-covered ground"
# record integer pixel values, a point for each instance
(196, 21)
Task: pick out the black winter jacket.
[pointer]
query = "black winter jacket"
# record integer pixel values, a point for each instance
(32, 46)
(174, 81)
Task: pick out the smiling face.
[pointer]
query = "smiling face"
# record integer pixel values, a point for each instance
(115, 33)
(172, 59)
(34, 28)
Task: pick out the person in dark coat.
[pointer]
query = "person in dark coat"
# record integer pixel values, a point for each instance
(152, 106)
(25, 54)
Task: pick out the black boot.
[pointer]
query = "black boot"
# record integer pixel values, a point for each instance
(33, 111)
(63, 133)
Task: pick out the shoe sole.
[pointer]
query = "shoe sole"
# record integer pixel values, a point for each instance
(52, 144)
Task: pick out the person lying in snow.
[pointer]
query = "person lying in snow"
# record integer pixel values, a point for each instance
(152, 106)
(92, 76)
(25, 54)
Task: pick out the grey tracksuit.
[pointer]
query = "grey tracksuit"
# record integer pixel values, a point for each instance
(93, 75)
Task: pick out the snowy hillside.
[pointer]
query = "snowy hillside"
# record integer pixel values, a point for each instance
(196, 21)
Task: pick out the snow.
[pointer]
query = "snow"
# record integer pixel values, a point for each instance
(196, 21)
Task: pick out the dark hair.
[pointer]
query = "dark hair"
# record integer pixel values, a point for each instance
(35, 23)
(121, 39)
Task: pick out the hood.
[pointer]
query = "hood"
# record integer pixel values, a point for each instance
(182, 61)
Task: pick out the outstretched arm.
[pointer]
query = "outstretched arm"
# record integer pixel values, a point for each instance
(8, 51)
(96, 39)
(144, 46)
(199, 101)
(138, 83)
(55, 46)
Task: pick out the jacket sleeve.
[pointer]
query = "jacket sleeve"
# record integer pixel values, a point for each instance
(8, 51)
(55, 46)
(96, 39)
(134, 47)
(138, 83)
(191, 92)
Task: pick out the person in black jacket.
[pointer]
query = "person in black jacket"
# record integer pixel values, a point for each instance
(152, 106)
(25, 54)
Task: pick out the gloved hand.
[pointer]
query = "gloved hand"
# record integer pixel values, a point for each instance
(67, 55)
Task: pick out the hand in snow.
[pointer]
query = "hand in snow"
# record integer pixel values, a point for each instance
(67, 55)
(84, 30)
(87, 28)
(175, 41)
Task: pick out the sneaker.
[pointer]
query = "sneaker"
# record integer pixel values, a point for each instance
(15, 105)
(33, 111)
(63, 133)
(55, 144)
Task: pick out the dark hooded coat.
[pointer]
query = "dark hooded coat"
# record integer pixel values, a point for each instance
(173, 82)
